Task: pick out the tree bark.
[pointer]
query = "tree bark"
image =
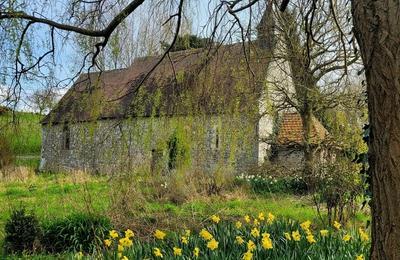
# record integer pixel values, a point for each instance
(377, 28)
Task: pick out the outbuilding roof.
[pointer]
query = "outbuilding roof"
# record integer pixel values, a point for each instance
(291, 130)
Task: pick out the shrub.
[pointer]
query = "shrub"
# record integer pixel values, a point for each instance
(6, 153)
(78, 232)
(21, 231)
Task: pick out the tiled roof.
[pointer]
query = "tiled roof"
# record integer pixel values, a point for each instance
(291, 130)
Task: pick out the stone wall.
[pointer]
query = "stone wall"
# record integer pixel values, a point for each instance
(112, 146)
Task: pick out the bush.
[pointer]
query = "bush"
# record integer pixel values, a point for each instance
(21, 232)
(78, 232)
(6, 153)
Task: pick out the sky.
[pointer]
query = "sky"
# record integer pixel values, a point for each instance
(68, 59)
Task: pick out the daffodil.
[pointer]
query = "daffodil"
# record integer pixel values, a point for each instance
(305, 225)
(337, 225)
(363, 235)
(120, 248)
(157, 252)
(177, 251)
(310, 239)
(256, 222)
(124, 258)
(261, 216)
(324, 232)
(79, 255)
(215, 218)
(184, 240)
(196, 251)
(119, 255)
(360, 257)
(346, 238)
(270, 218)
(126, 242)
(255, 232)
(248, 255)
(287, 236)
(187, 232)
(113, 234)
(238, 224)
(266, 241)
(239, 240)
(212, 244)
(296, 235)
(247, 219)
(159, 234)
(251, 246)
(129, 233)
(107, 242)
(205, 234)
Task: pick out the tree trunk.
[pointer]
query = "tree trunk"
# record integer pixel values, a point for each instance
(377, 28)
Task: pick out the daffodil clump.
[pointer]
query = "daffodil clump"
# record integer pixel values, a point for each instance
(263, 236)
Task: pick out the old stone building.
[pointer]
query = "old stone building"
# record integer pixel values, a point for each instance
(202, 109)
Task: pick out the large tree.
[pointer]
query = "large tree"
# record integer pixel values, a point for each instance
(377, 28)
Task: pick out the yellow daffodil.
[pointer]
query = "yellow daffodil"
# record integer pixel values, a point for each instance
(113, 234)
(157, 252)
(124, 258)
(159, 234)
(251, 246)
(287, 236)
(296, 235)
(187, 232)
(177, 251)
(119, 255)
(212, 244)
(108, 242)
(238, 224)
(346, 238)
(255, 232)
(266, 241)
(215, 218)
(205, 234)
(360, 257)
(79, 255)
(337, 225)
(310, 239)
(363, 235)
(184, 240)
(270, 218)
(261, 216)
(248, 255)
(239, 240)
(129, 233)
(256, 222)
(126, 242)
(247, 219)
(324, 232)
(305, 225)
(196, 251)
(120, 248)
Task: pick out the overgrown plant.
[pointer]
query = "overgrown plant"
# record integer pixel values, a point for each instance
(22, 231)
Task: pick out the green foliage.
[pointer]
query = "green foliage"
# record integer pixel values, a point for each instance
(24, 135)
(291, 184)
(178, 149)
(6, 153)
(21, 231)
(185, 42)
(78, 232)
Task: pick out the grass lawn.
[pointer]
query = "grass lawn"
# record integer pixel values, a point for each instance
(58, 195)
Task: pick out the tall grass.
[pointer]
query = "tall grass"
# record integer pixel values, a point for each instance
(24, 134)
